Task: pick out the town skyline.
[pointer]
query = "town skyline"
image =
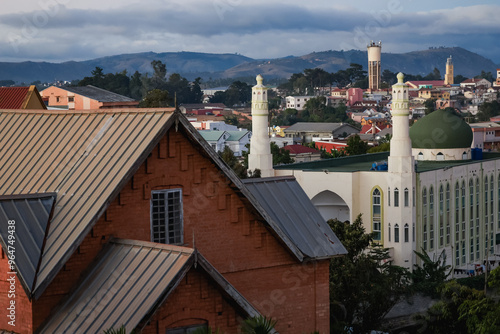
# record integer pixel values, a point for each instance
(63, 30)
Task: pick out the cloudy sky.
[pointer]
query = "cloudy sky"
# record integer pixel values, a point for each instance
(61, 30)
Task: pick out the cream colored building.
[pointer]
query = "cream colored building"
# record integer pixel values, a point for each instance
(430, 192)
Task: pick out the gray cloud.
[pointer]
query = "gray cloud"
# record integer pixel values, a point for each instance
(259, 31)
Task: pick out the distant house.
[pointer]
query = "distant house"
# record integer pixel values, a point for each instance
(202, 108)
(86, 98)
(308, 132)
(473, 83)
(486, 135)
(297, 102)
(235, 140)
(301, 153)
(425, 84)
(21, 98)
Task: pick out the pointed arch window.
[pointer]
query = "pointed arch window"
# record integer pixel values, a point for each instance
(425, 222)
(407, 197)
(407, 233)
(396, 197)
(377, 214)
(441, 216)
(389, 196)
(389, 232)
(396, 233)
(431, 218)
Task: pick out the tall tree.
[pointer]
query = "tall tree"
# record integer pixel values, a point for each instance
(364, 285)
(356, 146)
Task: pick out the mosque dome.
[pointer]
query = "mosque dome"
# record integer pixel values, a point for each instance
(441, 130)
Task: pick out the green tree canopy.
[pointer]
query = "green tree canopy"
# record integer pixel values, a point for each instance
(356, 146)
(364, 285)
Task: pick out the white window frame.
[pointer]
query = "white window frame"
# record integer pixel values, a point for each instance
(173, 231)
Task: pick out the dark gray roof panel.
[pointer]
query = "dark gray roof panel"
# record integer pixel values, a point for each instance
(289, 207)
(30, 215)
(98, 94)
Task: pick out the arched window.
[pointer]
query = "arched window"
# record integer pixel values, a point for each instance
(377, 214)
(396, 197)
(407, 233)
(441, 216)
(389, 196)
(425, 226)
(407, 197)
(389, 231)
(420, 156)
(447, 214)
(440, 156)
(396, 233)
(431, 218)
(457, 213)
(478, 246)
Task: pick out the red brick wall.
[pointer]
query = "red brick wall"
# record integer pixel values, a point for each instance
(195, 301)
(22, 313)
(224, 229)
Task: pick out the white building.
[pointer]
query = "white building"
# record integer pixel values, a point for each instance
(430, 192)
(235, 140)
(297, 102)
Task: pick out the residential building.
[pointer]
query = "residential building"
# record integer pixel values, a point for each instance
(474, 83)
(309, 131)
(86, 98)
(297, 102)
(301, 153)
(235, 140)
(202, 108)
(497, 81)
(91, 191)
(21, 98)
(427, 93)
(486, 136)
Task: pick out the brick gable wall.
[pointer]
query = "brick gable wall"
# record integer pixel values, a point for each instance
(224, 228)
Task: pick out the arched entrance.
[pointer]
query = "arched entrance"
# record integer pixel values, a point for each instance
(331, 205)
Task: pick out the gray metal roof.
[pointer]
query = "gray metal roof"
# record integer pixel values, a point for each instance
(98, 94)
(128, 283)
(293, 212)
(85, 157)
(315, 127)
(29, 217)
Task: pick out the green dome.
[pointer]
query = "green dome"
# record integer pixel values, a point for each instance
(441, 130)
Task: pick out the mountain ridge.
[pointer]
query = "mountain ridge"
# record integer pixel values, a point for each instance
(225, 65)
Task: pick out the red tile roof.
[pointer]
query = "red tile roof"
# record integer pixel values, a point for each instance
(298, 149)
(13, 97)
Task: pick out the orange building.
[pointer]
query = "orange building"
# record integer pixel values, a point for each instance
(86, 98)
(197, 247)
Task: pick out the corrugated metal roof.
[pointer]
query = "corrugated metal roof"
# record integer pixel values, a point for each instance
(84, 157)
(314, 127)
(130, 280)
(211, 135)
(237, 135)
(98, 94)
(293, 212)
(30, 216)
(13, 97)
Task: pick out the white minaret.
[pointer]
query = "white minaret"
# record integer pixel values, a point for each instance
(400, 211)
(400, 159)
(260, 150)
